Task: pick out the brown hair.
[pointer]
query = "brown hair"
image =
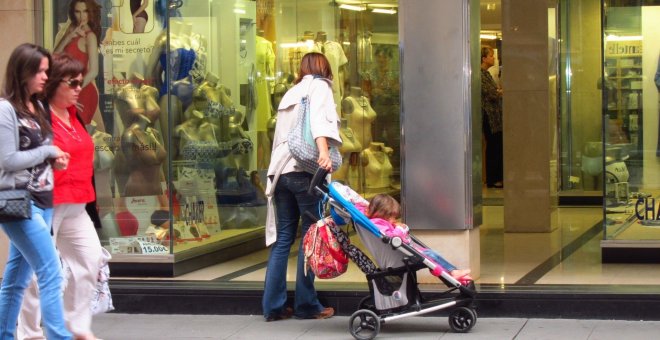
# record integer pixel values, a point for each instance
(384, 206)
(62, 66)
(93, 16)
(485, 51)
(23, 64)
(314, 63)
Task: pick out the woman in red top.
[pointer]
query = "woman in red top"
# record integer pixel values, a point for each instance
(80, 38)
(73, 230)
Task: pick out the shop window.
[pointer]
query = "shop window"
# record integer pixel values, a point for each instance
(183, 136)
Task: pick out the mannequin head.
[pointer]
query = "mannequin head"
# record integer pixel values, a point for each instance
(314, 63)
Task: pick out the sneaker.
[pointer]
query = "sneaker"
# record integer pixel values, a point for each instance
(327, 312)
(287, 313)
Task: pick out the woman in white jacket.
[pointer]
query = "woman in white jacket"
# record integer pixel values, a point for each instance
(287, 189)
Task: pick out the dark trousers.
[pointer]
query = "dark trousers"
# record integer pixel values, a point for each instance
(494, 156)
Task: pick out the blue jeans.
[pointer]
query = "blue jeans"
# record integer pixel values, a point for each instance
(439, 260)
(31, 250)
(291, 201)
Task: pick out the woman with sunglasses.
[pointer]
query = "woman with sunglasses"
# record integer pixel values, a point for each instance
(27, 159)
(73, 230)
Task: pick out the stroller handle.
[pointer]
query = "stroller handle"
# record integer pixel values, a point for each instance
(316, 183)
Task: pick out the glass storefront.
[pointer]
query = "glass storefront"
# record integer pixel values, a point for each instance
(182, 99)
(631, 82)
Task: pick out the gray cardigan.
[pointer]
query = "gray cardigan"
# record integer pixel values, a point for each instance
(11, 159)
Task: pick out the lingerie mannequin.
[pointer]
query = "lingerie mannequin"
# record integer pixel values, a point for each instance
(240, 142)
(334, 52)
(278, 93)
(143, 150)
(350, 144)
(233, 184)
(265, 60)
(214, 102)
(377, 168)
(135, 98)
(359, 114)
(182, 56)
(104, 156)
(197, 140)
(141, 145)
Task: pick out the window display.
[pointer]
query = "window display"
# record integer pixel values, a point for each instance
(632, 185)
(184, 105)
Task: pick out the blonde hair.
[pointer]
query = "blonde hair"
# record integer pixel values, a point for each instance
(384, 206)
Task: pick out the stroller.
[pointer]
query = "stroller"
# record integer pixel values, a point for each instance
(393, 289)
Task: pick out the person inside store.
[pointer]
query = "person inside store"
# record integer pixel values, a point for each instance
(73, 229)
(491, 110)
(27, 159)
(287, 188)
(79, 37)
(140, 16)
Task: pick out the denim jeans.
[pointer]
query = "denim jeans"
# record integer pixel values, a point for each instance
(291, 201)
(31, 250)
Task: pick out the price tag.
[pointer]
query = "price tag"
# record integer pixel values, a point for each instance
(149, 248)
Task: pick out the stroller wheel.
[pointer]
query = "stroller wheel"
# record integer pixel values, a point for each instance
(364, 324)
(462, 319)
(367, 302)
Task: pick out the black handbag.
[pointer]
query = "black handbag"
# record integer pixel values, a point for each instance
(15, 205)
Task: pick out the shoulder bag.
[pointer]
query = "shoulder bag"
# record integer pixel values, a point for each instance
(15, 205)
(302, 145)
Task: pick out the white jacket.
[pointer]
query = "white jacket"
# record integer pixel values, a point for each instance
(324, 122)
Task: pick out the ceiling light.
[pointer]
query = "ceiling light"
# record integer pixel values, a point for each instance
(352, 7)
(383, 10)
(488, 36)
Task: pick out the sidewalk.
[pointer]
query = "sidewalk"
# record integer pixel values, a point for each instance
(178, 327)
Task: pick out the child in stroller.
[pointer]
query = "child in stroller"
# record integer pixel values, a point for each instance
(384, 211)
(392, 281)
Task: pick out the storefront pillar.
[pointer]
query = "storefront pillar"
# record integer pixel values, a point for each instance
(441, 189)
(17, 21)
(530, 193)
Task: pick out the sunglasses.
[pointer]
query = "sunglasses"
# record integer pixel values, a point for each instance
(73, 83)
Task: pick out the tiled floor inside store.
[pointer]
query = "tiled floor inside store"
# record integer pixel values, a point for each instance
(569, 255)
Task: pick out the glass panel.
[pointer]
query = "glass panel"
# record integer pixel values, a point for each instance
(631, 120)
(580, 98)
(184, 100)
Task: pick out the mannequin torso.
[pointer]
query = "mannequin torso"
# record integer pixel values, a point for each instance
(377, 166)
(359, 115)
